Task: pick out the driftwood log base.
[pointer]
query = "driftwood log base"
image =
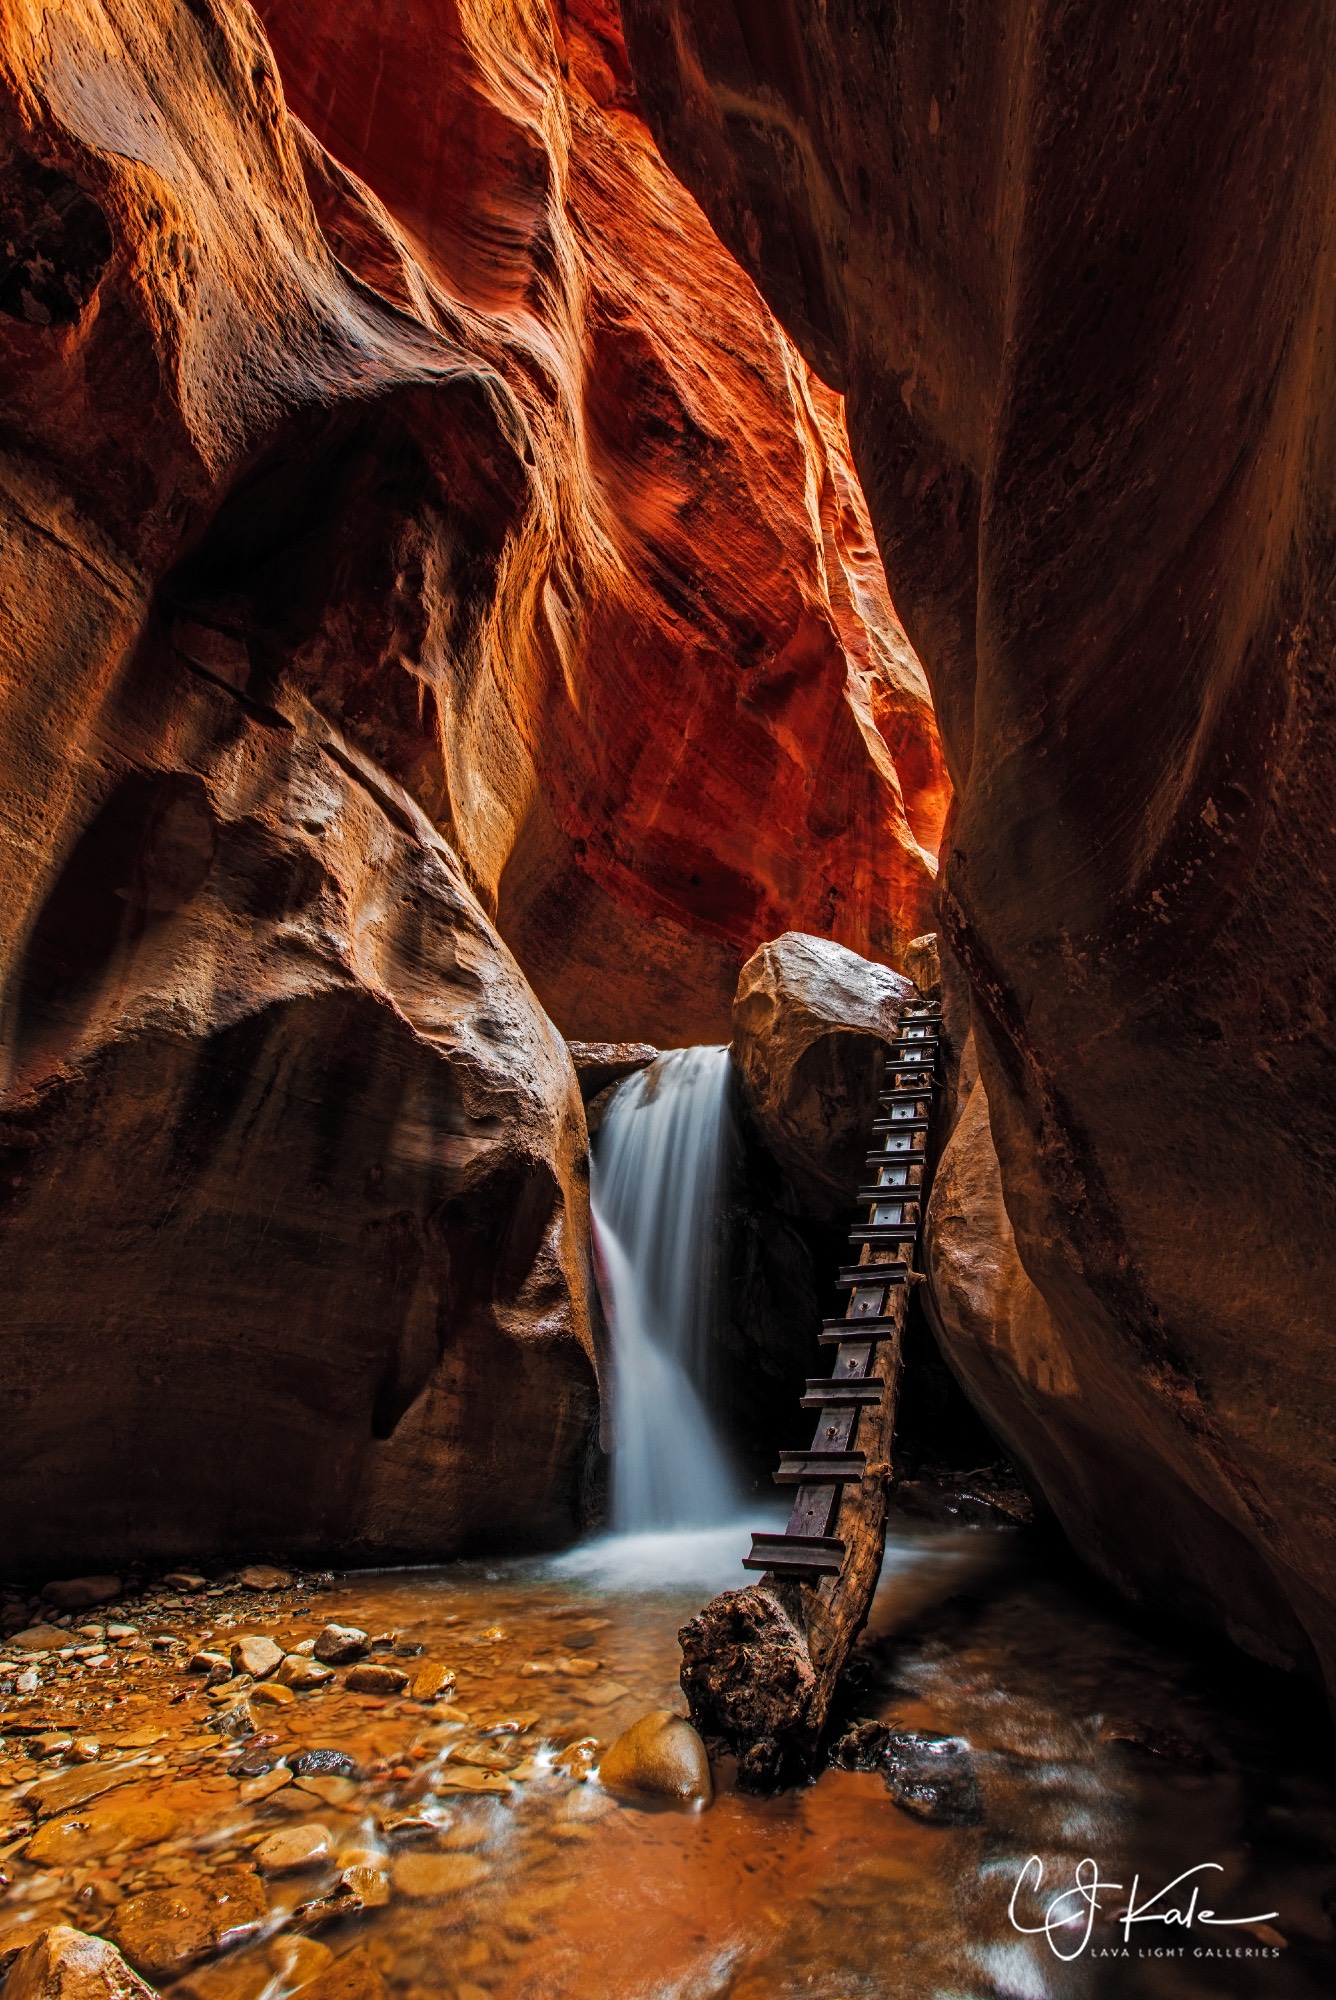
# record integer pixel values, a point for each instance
(760, 1666)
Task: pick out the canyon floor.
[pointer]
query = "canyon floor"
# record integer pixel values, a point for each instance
(243, 1838)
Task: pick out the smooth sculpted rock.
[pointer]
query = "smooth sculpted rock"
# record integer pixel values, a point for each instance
(992, 1322)
(344, 531)
(811, 1021)
(1115, 556)
(662, 1757)
(65, 1964)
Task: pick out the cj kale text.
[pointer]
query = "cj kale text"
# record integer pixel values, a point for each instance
(1066, 1916)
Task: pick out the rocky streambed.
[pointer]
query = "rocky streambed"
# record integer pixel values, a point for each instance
(423, 1813)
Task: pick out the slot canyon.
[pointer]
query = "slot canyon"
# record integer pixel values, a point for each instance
(584, 585)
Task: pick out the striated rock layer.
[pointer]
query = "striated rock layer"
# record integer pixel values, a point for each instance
(669, 709)
(410, 542)
(1073, 280)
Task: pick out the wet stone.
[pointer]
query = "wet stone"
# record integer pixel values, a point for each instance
(166, 1931)
(253, 1762)
(423, 1877)
(336, 1792)
(64, 1964)
(256, 1655)
(431, 1680)
(270, 1694)
(323, 1763)
(253, 1790)
(659, 1756)
(337, 1645)
(932, 1777)
(297, 1960)
(302, 1674)
(355, 1976)
(374, 1677)
(40, 1639)
(214, 1664)
(293, 1849)
(67, 1842)
(263, 1576)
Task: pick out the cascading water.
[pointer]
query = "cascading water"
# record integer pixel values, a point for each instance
(657, 1176)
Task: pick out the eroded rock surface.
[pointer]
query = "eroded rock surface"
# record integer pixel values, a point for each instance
(811, 1021)
(1073, 282)
(642, 659)
(416, 532)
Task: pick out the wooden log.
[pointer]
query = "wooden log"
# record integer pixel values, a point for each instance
(760, 1665)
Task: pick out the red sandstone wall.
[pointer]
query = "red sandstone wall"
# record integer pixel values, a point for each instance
(1072, 267)
(692, 719)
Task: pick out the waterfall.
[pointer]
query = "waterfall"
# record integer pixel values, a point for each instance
(657, 1172)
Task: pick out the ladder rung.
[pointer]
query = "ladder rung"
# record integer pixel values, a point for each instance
(899, 1124)
(828, 1391)
(799, 1468)
(811, 1555)
(914, 1192)
(835, 1331)
(885, 1232)
(873, 1274)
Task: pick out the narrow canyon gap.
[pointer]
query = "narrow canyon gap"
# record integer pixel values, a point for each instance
(1074, 282)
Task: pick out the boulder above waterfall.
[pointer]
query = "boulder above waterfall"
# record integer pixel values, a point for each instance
(810, 1021)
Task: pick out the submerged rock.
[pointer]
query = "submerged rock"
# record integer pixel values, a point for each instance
(292, 1849)
(660, 1756)
(65, 1964)
(166, 1931)
(376, 1677)
(423, 1877)
(354, 1976)
(932, 1777)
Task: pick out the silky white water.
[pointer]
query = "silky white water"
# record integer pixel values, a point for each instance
(657, 1184)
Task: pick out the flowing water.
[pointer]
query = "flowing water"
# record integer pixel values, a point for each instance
(512, 1874)
(659, 1158)
(457, 1788)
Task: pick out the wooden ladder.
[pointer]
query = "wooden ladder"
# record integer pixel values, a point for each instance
(841, 1478)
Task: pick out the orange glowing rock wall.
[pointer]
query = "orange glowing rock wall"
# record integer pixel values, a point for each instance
(688, 719)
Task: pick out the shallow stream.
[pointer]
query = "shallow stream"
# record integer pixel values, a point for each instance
(523, 1880)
